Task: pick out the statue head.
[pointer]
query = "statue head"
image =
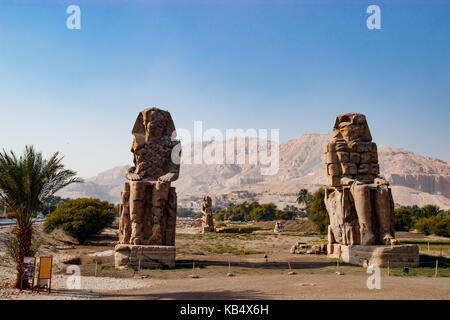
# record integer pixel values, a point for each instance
(351, 127)
(152, 124)
(152, 147)
(207, 199)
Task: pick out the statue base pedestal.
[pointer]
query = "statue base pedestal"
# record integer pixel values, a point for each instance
(208, 229)
(144, 256)
(403, 255)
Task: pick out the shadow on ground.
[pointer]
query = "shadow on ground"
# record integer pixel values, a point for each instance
(190, 295)
(182, 264)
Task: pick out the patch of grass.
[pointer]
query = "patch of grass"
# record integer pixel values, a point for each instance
(221, 248)
(435, 245)
(106, 267)
(427, 267)
(197, 253)
(227, 249)
(425, 272)
(241, 229)
(221, 236)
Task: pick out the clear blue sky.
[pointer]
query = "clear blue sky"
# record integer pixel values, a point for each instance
(292, 65)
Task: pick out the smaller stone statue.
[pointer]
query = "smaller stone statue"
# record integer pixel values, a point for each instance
(207, 217)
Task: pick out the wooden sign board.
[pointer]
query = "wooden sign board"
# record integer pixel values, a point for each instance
(45, 271)
(29, 269)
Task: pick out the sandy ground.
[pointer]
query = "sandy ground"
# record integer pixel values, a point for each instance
(214, 256)
(290, 287)
(314, 279)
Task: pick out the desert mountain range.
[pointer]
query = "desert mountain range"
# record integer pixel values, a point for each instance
(414, 179)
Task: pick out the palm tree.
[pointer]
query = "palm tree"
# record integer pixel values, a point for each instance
(26, 182)
(305, 198)
(302, 196)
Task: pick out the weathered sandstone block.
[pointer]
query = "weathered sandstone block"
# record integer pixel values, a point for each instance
(144, 256)
(403, 255)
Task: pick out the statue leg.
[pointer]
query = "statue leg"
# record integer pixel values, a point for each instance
(171, 218)
(384, 214)
(333, 203)
(127, 224)
(137, 194)
(160, 197)
(331, 237)
(121, 224)
(361, 197)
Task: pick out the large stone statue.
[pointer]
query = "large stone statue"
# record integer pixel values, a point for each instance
(207, 217)
(358, 200)
(148, 205)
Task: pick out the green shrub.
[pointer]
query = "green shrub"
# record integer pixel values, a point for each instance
(255, 212)
(284, 215)
(423, 225)
(318, 213)
(81, 218)
(265, 212)
(239, 229)
(221, 224)
(219, 215)
(428, 211)
(403, 219)
(439, 225)
(186, 213)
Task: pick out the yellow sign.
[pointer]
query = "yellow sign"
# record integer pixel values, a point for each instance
(45, 268)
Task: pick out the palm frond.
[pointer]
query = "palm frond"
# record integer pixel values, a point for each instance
(25, 182)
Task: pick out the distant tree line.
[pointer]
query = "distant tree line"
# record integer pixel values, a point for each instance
(429, 219)
(255, 211)
(46, 207)
(186, 213)
(51, 203)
